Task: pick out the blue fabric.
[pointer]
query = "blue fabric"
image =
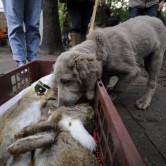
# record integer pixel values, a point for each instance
(65, 35)
(20, 63)
(23, 18)
(150, 11)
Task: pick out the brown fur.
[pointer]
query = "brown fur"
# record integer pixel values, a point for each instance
(15, 119)
(58, 147)
(7, 130)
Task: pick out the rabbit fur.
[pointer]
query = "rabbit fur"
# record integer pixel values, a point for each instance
(61, 140)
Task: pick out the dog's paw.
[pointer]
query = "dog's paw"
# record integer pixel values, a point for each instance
(142, 104)
(114, 96)
(112, 82)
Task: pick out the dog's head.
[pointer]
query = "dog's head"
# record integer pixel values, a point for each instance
(75, 76)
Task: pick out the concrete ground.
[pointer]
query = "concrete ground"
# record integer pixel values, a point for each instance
(146, 128)
(7, 63)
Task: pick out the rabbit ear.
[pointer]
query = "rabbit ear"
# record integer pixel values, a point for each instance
(31, 143)
(34, 129)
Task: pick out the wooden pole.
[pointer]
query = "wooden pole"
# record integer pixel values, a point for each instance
(93, 16)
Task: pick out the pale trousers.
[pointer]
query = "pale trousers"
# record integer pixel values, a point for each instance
(23, 19)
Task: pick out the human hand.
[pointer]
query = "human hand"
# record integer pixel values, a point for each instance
(161, 4)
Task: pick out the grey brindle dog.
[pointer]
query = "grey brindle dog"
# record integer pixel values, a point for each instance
(114, 51)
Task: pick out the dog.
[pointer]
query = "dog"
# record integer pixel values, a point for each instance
(113, 51)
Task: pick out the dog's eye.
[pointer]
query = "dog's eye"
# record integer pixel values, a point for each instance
(65, 81)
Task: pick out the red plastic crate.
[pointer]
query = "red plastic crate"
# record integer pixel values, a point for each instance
(11, 83)
(115, 145)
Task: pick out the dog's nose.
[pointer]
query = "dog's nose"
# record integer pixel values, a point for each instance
(62, 102)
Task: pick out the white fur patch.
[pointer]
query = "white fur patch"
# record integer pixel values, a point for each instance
(30, 115)
(22, 160)
(78, 132)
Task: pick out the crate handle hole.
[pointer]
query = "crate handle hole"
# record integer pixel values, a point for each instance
(100, 84)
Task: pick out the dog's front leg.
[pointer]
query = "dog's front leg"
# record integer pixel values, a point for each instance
(153, 66)
(144, 102)
(124, 80)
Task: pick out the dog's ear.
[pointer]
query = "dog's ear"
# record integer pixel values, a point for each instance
(87, 70)
(86, 67)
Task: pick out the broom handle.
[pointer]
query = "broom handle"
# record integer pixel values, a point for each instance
(93, 16)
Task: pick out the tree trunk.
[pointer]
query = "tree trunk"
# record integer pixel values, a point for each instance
(52, 41)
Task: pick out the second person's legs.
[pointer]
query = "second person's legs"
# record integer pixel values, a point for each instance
(134, 12)
(86, 13)
(152, 11)
(32, 21)
(75, 17)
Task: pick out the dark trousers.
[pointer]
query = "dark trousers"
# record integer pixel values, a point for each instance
(80, 14)
(150, 11)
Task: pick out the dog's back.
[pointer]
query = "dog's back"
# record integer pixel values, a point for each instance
(113, 51)
(126, 45)
(142, 34)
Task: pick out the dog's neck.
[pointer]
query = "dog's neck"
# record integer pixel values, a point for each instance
(90, 46)
(101, 42)
(87, 47)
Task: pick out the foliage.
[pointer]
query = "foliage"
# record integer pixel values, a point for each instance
(61, 7)
(119, 7)
(164, 13)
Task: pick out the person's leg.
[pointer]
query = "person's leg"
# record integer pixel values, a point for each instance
(134, 12)
(32, 22)
(86, 13)
(75, 17)
(14, 12)
(151, 11)
(65, 37)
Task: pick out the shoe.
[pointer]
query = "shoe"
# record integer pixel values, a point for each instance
(24, 72)
(20, 63)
